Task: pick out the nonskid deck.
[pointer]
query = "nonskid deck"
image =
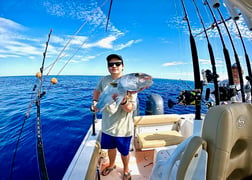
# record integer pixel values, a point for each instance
(141, 164)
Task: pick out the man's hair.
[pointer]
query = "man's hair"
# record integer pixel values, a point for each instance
(234, 66)
(114, 56)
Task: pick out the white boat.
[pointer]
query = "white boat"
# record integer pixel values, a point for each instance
(216, 146)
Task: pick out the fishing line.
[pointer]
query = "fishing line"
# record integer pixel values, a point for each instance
(214, 25)
(21, 132)
(50, 67)
(198, 83)
(176, 20)
(236, 57)
(77, 50)
(212, 59)
(73, 36)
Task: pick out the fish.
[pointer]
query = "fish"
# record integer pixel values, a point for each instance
(130, 83)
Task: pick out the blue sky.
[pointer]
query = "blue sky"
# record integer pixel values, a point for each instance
(150, 35)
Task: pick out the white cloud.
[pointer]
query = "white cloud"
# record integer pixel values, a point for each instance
(204, 61)
(14, 43)
(174, 63)
(106, 42)
(127, 44)
(87, 58)
(9, 24)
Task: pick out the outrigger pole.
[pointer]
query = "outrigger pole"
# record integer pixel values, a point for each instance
(40, 149)
(110, 6)
(236, 57)
(195, 59)
(211, 54)
(225, 51)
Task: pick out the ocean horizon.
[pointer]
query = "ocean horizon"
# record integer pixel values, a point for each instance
(65, 118)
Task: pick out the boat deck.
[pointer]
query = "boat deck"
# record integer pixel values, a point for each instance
(141, 164)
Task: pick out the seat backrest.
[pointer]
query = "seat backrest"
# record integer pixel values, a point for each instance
(227, 129)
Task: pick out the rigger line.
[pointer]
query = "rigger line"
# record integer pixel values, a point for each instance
(212, 59)
(197, 82)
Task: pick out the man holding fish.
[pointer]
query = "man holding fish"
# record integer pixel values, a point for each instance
(116, 95)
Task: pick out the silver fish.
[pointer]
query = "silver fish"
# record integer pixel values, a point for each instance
(132, 83)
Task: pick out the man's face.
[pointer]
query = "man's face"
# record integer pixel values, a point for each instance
(236, 75)
(115, 66)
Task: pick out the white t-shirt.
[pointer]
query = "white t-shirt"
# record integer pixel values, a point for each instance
(116, 122)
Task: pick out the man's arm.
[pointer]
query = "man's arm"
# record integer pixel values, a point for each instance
(96, 95)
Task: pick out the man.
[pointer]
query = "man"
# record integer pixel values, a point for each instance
(238, 97)
(117, 125)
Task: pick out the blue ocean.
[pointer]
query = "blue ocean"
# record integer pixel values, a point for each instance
(65, 118)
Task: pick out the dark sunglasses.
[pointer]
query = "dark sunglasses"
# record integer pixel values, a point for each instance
(111, 64)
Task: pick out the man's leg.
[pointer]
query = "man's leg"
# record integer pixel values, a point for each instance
(125, 160)
(112, 157)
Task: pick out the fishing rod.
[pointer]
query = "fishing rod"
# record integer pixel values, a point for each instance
(232, 90)
(249, 77)
(110, 7)
(197, 82)
(235, 16)
(40, 149)
(212, 59)
(236, 57)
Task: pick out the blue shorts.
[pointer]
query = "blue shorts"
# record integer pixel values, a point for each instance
(121, 143)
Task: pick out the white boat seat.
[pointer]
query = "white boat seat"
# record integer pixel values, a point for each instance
(228, 132)
(227, 139)
(187, 161)
(153, 131)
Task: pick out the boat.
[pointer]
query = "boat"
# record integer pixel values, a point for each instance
(213, 146)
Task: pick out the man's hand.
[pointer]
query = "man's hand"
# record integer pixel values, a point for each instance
(93, 106)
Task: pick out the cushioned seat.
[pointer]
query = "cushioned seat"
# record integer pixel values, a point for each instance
(223, 152)
(153, 131)
(228, 132)
(158, 139)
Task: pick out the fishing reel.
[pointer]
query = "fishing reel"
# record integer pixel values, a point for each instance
(208, 76)
(186, 97)
(226, 93)
(189, 97)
